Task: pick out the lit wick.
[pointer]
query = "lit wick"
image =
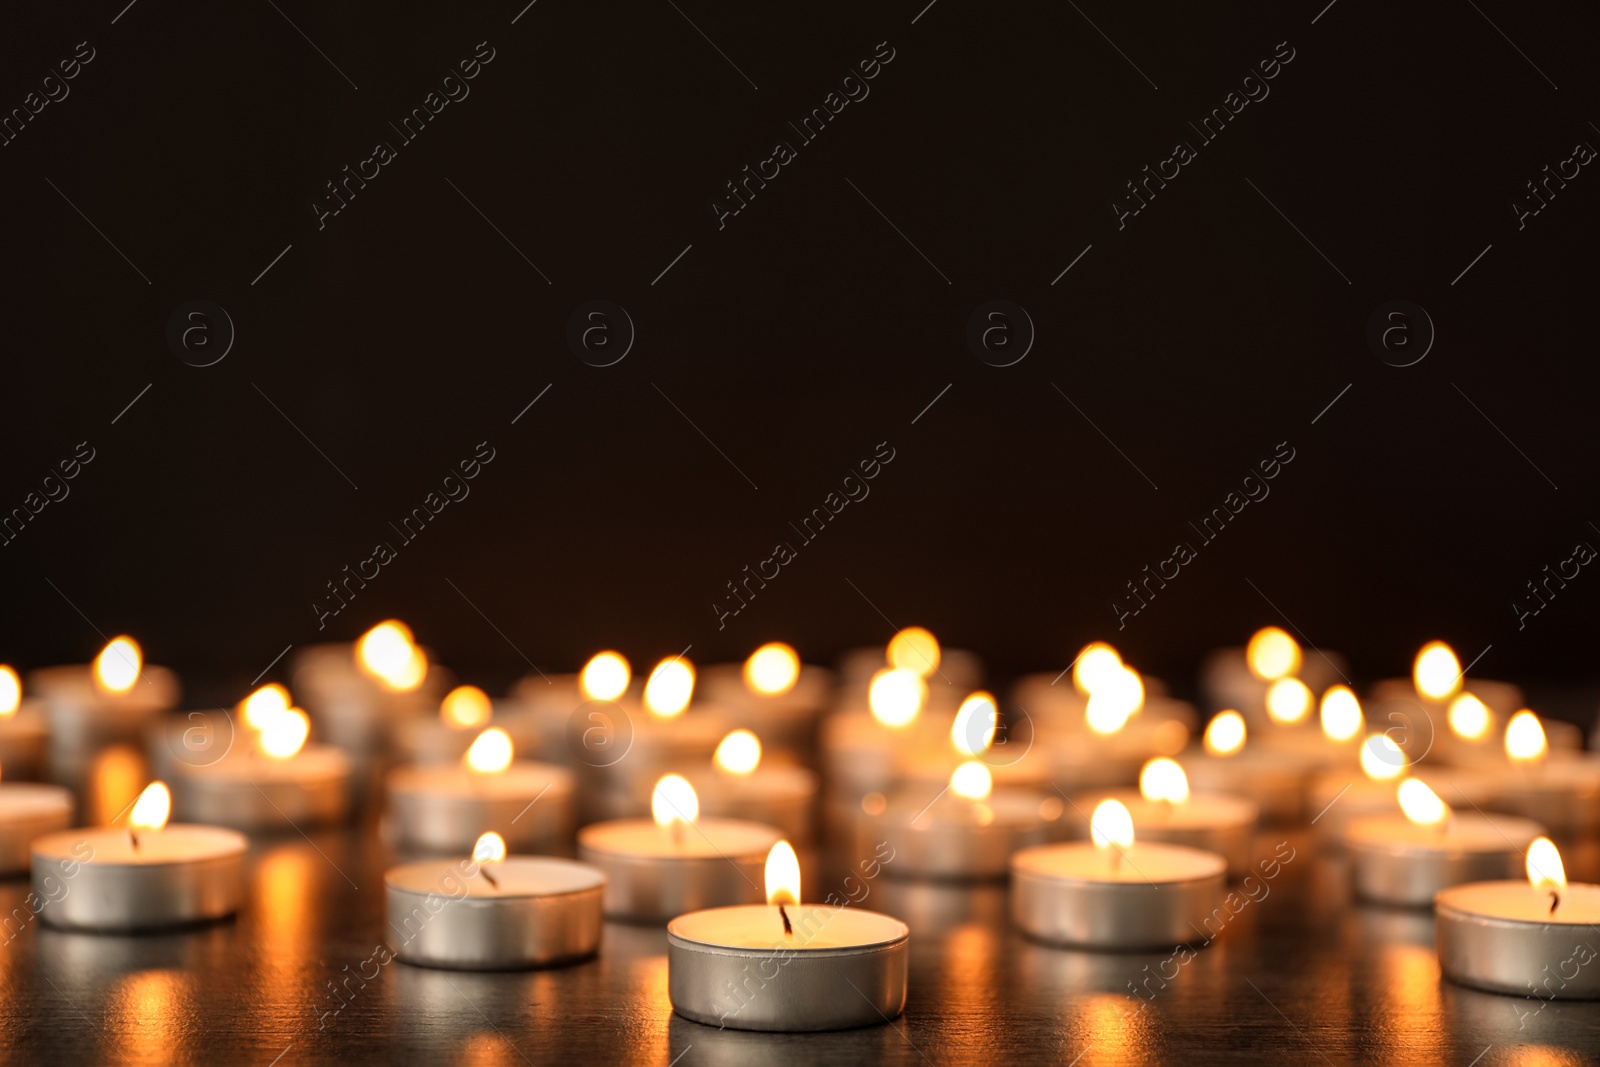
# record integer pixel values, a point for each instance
(133, 837)
(484, 869)
(788, 928)
(1555, 901)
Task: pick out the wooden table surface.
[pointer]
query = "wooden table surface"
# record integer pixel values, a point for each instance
(1300, 974)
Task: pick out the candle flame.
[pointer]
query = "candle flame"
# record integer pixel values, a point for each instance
(491, 753)
(465, 706)
(1437, 672)
(1545, 869)
(1225, 733)
(1116, 697)
(896, 696)
(1272, 654)
(10, 692)
(971, 780)
(118, 665)
(1111, 825)
(151, 810)
(1341, 714)
(739, 753)
(772, 670)
(1525, 740)
(1096, 662)
(783, 875)
(1421, 804)
(670, 687)
(490, 848)
(605, 676)
(387, 653)
(284, 733)
(1163, 779)
(674, 801)
(259, 707)
(1288, 701)
(1469, 717)
(914, 649)
(1381, 759)
(972, 732)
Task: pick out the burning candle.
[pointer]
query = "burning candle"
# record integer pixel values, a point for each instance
(741, 783)
(864, 751)
(1406, 859)
(27, 810)
(948, 671)
(1339, 798)
(561, 724)
(1522, 937)
(464, 712)
(1164, 810)
(356, 694)
(1560, 790)
(107, 702)
(1242, 678)
(1274, 779)
(815, 966)
(275, 782)
(23, 730)
(1120, 734)
(968, 830)
(445, 808)
(494, 912)
(675, 861)
(1112, 893)
(773, 695)
(144, 876)
(1422, 702)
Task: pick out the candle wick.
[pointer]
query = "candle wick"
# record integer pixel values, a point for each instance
(484, 869)
(134, 838)
(1555, 901)
(788, 928)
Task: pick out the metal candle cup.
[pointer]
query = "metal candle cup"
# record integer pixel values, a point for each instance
(1155, 896)
(1210, 822)
(831, 969)
(952, 838)
(177, 876)
(1276, 781)
(1396, 861)
(84, 716)
(445, 809)
(536, 912)
(22, 742)
(1503, 937)
(774, 794)
(785, 720)
(28, 810)
(654, 873)
(1562, 792)
(249, 791)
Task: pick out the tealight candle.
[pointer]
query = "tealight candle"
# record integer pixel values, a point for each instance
(966, 831)
(108, 702)
(494, 913)
(1275, 780)
(1335, 741)
(1521, 937)
(675, 861)
(27, 810)
(1123, 730)
(23, 730)
(1407, 859)
(1113, 894)
(1339, 798)
(445, 808)
(357, 693)
(773, 695)
(463, 713)
(866, 751)
(786, 966)
(741, 783)
(1164, 810)
(144, 877)
(560, 729)
(277, 783)
(1242, 678)
(915, 649)
(1560, 790)
(1424, 702)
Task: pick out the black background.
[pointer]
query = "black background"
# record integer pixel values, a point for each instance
(803, 333)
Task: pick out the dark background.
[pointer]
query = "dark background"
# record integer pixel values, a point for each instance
(803, 333)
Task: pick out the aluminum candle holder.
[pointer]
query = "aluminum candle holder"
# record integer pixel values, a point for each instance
(783, 721)
(520, 912)
(654, 873)
(956, 839)
(1395, 861)
(445, 809)
(1157, 896)
(832, 969)
(1503, 937)
(23, 737)
(28, 810)
(84, 717)
(179, 875)
(1275, 780)
(248, 791)
(1562, 792)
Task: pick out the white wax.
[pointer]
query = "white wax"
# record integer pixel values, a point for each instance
(1465, 832)
(523, 780)
(1520, 902)
(176, 844)
(708, 838)
(817, 927)
(1142, 864)
(517, 877)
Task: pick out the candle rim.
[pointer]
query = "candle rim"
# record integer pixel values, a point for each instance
(902, 934)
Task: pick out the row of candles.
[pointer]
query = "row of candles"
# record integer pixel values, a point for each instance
(939, 785)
